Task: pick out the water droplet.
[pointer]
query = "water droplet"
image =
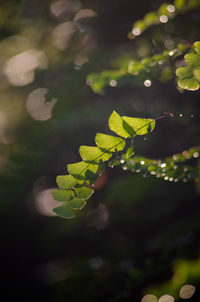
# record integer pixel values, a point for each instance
(171, 8)
(122, 161)
(163, 19)
(113, 83)
(191, 115)
(147, 83)
(181, 115)
(196, 154)
(136, 31)
(142, 162)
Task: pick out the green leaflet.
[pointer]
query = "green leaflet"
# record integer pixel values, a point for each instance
(189, 76)
(184, 72)
(189, 84)
(63, 195)
(115, 123)
(94, 154)
(64, 211)
(196, 73)
(138, 126)
(83, 192)
(83, 171)
(129, 152)
(192, 59)
(197, 47)
(65, 181)
(109, 142)
(77, 203)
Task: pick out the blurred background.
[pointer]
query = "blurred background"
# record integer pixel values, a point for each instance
(138, 238)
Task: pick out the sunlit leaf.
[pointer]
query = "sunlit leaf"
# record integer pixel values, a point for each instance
(77, 203)
(94, 154)
(83, 192)
(192, 59)
(65, 181)
(116, 124)
(197, 47)
(82, 170)
(138, 126)
(189, 84)
(63, 195)
(64, 211)
(109, 142)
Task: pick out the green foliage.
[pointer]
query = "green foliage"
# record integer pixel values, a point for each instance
(166, 11)
(171, 168)
(139, 71)
(74, 188)
(188, 77)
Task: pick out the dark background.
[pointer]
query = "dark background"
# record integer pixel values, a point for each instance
(136, 235)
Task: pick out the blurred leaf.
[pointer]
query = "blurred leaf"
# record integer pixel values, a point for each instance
(192, 59)
(197, 47)
(196, 73)
(189, 84)
(135, 67)
(184, 72)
